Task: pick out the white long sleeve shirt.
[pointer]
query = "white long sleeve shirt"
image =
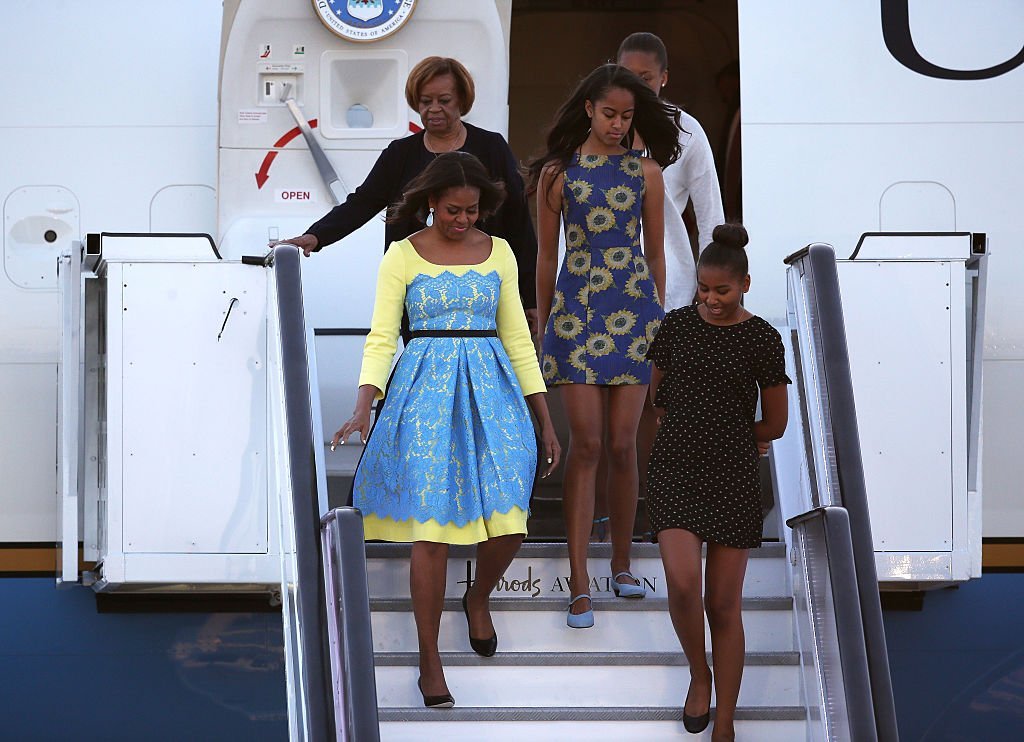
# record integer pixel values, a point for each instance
(692, 176)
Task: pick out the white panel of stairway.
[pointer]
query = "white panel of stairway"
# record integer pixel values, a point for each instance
(623, 679)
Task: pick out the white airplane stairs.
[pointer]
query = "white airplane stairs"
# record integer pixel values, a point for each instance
(623, 679)
(816, 666)
(815, 650)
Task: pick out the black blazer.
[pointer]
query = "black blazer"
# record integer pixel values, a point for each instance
(406, 158)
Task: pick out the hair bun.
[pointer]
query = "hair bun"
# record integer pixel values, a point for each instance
(730, 235)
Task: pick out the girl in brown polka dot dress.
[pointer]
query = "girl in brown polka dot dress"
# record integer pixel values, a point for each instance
(710, 362)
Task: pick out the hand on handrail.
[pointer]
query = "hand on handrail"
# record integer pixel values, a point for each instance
(305, 242)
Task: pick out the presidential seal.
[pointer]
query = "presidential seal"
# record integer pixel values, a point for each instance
(363, 20)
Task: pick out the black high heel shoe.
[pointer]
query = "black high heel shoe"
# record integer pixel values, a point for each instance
(444, 701)
(696, 724)
(483, 647)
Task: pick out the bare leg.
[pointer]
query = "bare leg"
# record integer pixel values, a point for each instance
(625, 404)
(723, 602)
(427, 572)
(600, 531)
(493, 557)
(644, 443)
(583, 409)
(680, 553)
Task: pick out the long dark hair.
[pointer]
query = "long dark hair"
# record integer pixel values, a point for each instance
(449, 170)
(656, 121)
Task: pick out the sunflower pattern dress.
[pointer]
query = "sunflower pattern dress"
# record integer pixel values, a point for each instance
(453, 453)
(605, 310)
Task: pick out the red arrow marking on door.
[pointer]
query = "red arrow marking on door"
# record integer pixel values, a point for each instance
(264, 171)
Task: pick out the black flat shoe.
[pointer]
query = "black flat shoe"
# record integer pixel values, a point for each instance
(483, 647)
(435, 702)
(695, 724)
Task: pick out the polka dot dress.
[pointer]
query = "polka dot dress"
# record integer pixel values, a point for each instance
(703, 471)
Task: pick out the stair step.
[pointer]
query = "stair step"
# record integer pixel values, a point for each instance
(783, 724)
(654, 605)
(631, 656)
(584, 686)
(543, 570)
(538, 625)
(573, 713)
(383, 550)
(452, 659)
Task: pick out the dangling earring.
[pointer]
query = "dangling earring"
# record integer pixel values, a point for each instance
(430, 217)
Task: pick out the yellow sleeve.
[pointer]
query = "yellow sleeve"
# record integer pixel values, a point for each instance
(513, 330)
(382, 342)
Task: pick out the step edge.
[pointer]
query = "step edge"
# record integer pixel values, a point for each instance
(653, 605)
(380, 550)
(555, 713)
(782, 658)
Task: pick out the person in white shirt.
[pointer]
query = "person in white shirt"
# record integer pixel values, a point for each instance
(690, 178)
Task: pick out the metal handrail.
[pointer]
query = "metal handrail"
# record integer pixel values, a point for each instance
(348, 620)
(840, 569)
(311, 599)
(819, 264)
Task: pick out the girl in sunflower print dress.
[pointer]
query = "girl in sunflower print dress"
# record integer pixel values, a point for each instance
(603, 310)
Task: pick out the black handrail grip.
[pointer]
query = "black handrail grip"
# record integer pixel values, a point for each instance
(811, 514)
(850, 468)
(860, 242)
(213, 245)
(341, 331)
(793, 257)
(310, 597)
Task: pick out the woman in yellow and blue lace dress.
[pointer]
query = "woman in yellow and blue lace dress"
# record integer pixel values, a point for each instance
(604, 307)
(453, 453)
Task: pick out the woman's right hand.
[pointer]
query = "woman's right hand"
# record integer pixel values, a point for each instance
(305, 242)
(550, 446)
(360, 421)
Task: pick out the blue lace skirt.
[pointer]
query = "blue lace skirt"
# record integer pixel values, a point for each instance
(453, 454)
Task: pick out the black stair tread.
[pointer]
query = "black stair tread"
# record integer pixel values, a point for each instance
(777, 603)
(561, 659)
(575, 713)
(768, 550)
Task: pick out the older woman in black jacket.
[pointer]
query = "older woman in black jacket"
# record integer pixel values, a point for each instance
(442, 90)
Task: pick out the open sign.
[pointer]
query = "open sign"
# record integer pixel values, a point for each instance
(291, 195)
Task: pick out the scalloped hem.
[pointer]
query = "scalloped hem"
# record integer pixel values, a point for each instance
(500, 524)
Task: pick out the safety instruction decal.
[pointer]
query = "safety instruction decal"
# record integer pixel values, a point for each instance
(252, 116)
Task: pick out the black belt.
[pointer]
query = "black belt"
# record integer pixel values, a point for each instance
(453, 334)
